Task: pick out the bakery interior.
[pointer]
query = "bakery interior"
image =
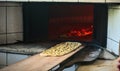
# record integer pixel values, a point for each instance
(28, 27)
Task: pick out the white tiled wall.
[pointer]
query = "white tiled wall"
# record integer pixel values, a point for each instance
(114, 1)
(101, 1)
(113, 28)
(2, 59)
(2, 38)
(65, 0)
(13, 58)
(13, 37)
(9, 4)
(41, 0)
(2, 0)
(2, 20)
(11, 27)
(14, 19)
(18, 0)
(9, 58)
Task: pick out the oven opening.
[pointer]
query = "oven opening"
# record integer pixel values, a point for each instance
(51, 21)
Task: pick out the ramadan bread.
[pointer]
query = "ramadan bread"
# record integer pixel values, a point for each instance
(61, 49)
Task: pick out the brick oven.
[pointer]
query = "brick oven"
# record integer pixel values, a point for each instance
(59, 22)
(51, 21)
(46, 22)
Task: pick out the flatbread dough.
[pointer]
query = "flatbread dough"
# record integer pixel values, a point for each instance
(61, 49)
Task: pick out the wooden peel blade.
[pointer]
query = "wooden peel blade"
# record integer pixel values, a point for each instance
(39, 63)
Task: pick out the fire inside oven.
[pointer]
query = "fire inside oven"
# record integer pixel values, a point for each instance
(46, 21)
(71, 22)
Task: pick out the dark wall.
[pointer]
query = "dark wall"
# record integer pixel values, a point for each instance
(100, 23)
(35, 21)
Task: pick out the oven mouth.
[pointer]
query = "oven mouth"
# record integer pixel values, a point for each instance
(42, 23)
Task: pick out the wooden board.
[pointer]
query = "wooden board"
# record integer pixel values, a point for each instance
(99, 65)
(38, 63)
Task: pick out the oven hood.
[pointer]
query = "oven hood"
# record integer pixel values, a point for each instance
(81, 1)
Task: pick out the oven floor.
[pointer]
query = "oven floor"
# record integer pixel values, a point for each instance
(99, 65)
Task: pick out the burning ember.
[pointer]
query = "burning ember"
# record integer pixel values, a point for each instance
(79, 33)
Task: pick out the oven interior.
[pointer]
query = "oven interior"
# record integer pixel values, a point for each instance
(52, 21)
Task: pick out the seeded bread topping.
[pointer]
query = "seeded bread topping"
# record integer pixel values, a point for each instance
(61, 49)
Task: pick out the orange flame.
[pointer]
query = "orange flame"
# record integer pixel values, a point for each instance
(81, 32)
